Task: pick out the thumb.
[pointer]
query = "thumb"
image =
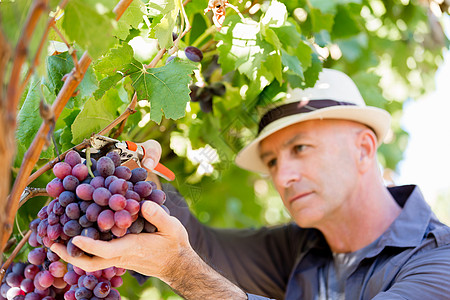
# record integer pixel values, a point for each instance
(156, 215)
(152, 154)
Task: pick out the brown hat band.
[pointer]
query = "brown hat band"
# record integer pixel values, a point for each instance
(293, 108)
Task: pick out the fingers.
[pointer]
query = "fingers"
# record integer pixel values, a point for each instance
(103, 249)
(152, 154)
(88, 264)
(153, 213)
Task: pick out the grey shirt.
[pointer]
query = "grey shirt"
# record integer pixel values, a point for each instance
(411, 260)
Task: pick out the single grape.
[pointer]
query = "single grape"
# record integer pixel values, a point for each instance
(84, 205)
(71, 277)
(32, 296)
(84, 191)
(54, 187)
(101, 196)
(4, 289)
(115, 157)
(109, 273)
(137, 226)
(132, 206)
(106, 236)
(98, 181)
(52, 256)
(93, 211)
(118, 232)
(73, 158)
(62, 169)
(34, 224)
(157, 196)
(45, 278)
(83, 293)
(73, 250)
(42, 228)
(132, 195)
(69, 295)
(47, 242)
(58, 209)
(149, 227)
(113, 295)
(72, 228)
(54, 231)
(66, 197)
(91, 232)
(153, 184)
(57, 269)
(32, 240)
(13, 279)
(193, 53)
(13, 292)
(59, 283)
(118, 186)
(138, 174)
(117, 202)
(110, 179)
(80, 171)
(63, 219)
(105, 166)
(206, 106)
(84, 222)
(31, 271)
(143, 188)
(73, 211)
(70, 183)
(27, 285)
(116, 281)
(123, 172)
(122, 219)
(105, 220)
(101, 290)
(90, 281)
(42, 214)
(53, 219)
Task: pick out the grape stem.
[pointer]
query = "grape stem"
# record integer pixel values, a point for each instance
(32, 155)
(88, 161)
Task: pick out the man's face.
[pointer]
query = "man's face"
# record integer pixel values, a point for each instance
(313, 166)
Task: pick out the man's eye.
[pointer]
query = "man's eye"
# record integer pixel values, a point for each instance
(271, 163)
(299, 148)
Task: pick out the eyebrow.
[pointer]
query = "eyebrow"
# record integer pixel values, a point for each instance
(285, 145)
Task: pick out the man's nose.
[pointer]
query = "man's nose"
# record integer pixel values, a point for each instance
(288, 172)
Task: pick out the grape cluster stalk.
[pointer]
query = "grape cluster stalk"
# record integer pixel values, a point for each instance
(104, 207)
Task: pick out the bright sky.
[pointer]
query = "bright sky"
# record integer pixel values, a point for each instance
(427, 158)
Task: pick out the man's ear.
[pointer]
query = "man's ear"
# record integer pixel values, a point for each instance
(367, 145)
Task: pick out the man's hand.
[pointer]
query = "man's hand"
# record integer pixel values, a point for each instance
(152, 154)
(152, 254)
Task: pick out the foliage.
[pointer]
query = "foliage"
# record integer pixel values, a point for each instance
(390, 48)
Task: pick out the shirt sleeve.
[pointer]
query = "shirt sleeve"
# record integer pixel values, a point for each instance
(255, 297)
(425, 276)
(257, 260)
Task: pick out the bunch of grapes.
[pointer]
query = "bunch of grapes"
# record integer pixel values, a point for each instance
(204, 95)
(41, 280)
(103, 207)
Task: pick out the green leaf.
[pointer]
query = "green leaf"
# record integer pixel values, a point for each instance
(242, 47)
(62, 64)
(163, 31)
(288, 35)
(321, 21)
(91, 25)
(106, 83)
(65, 137)
(273, 63)
(303, 53)
(275, 15)
(95, 115)
(272, 38)
(131, 18)
(345, 24)
(293, 63)
(29, 120)
(115, 60)
(166, 88)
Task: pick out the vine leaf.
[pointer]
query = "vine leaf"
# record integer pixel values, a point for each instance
(130, 19)
(90, 26)
(29, 121)
(164, 14)
(95, 115)
(166, 88)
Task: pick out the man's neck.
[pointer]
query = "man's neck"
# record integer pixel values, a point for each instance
(360, 223)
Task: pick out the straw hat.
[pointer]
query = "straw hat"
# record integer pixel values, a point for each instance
(334, 96)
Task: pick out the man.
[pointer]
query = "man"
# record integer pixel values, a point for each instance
(352, 238)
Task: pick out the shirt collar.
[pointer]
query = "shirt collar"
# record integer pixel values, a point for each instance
(410, 227)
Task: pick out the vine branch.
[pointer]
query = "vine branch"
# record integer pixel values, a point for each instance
(71, 83)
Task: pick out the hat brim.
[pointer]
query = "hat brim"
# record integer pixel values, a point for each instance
(377, 119)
